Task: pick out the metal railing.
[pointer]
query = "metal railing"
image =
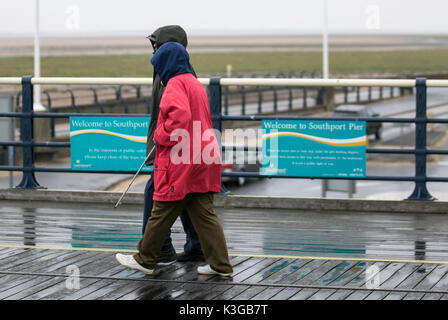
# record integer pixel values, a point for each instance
(215, 86)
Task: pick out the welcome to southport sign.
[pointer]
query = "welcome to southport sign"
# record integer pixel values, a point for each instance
(108, 143)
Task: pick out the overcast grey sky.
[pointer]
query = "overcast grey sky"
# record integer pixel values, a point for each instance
(72, 17)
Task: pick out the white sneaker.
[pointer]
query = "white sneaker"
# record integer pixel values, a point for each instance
(208, 270)
(129, 262)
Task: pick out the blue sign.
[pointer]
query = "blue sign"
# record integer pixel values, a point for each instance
(314, 148)
(108, 143)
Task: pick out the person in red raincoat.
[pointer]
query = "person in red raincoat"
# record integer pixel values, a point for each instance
(187, 167)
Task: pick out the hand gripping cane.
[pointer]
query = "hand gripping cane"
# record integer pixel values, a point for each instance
(135, 176)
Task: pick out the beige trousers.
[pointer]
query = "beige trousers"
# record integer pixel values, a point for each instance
(205, 222)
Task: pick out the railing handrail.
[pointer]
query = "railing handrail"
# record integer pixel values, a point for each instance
(319, 82)
(313, 82)
(215, 98)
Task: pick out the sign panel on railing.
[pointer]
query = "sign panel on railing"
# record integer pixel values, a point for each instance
(108, 143)
(314, 148)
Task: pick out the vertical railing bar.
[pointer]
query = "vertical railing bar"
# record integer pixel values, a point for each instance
(27, 136)
(215, 100)
(52, 121)
(420, 191)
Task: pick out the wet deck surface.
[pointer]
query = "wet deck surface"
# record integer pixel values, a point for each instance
(276, 254)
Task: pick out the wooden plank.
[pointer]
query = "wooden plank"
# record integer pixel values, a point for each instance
(441, 285)
(247, 274)
(60, 290)
(101, 264)
(20, 285)
(22, 257)
(394, 281)
(47, 258)
(336, 277)
(332, 274)
(104, 266)
(27, 265)
(302, 271)
(308, 275)
(165, 291)
(108, 288)
(273, 274)
(411, 281)
(238, 269)
(135, 287)
(7, 291)
(356, 279)
(298, 272)
(383, 275)
(268, 271)
(428, 281)
(192, 292)
(260, 272)
(283, 269)
(9, 252)
(266, 294)
(279, 276)
(230, 292)
(14, 280)
(319, 277)
(30, 290)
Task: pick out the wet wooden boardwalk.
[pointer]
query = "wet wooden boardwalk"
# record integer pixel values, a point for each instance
(67, 253)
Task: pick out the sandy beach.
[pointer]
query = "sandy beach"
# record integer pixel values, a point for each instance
(56, 46)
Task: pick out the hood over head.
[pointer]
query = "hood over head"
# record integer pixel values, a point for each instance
(170, 33)
(170, 60)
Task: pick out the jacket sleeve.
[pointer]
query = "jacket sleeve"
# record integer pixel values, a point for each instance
(175, 108)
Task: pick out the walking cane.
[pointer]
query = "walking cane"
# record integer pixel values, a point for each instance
(135, 176)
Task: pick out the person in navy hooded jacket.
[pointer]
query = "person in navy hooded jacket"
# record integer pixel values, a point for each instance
(192, 246)
(187, 167)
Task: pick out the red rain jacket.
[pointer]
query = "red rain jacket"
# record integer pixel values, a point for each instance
(187, 152)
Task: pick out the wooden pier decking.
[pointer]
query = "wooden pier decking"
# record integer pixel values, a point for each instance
(46, 250)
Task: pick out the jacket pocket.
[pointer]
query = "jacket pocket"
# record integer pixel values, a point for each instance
(161, 175)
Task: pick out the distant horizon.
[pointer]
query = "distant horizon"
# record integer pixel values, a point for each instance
(223, 33)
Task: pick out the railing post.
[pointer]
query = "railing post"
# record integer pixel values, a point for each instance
(215, 100)
(420, 191)
(260, 99)
(275, 97)
(290, 97)
(215, 92)
(243, 100)
(27, 136)
(305, 97)
(226, 100)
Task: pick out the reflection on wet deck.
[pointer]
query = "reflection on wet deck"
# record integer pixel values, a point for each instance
(276, 254)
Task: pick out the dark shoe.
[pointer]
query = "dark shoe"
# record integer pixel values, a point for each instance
(190, 256)
(166, 257)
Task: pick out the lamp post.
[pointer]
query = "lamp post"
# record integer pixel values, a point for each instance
(325, 42)
(37, 104)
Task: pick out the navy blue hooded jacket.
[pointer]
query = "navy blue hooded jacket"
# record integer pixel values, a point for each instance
(170, 60)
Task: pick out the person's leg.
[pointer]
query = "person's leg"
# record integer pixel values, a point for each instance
(162, 218)
(210, 232)
(148, 203)
(192, 246)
